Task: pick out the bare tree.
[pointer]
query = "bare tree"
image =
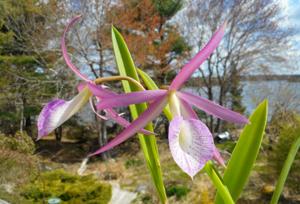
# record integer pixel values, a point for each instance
(91, 45)
(254, 43)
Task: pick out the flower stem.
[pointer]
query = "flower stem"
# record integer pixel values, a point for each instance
(217, 181)
(119, 78)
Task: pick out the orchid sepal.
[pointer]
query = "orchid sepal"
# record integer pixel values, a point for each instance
(58, 111)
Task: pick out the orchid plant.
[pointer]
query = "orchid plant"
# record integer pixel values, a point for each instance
(190, 141)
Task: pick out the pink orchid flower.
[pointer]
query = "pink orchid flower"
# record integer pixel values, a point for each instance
(191, 143)
(56, 112)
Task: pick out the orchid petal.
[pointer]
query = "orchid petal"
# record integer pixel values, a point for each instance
(218, 158)
(130, 98)
(58, 111)
(212, 108)
(149, 114)
(187, 110)
(65, 52)
(194, 64)
(123, 122)
(100, 91)
(191, 144)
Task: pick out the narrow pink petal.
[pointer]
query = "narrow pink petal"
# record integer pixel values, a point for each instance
(148, 115)
(65, 52)
(218, 158)
(191, 144)
(187, 110)
(58, 111)
(194, 64)
(113, 115)
(130, 98)
(212, 108)
(100, 91)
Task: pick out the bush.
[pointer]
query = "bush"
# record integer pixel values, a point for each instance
(133, 163)
(16, 169)
(69, 188)
(286, 128)
(178, 191)
(20, 142)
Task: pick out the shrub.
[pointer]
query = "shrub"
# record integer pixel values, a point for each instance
(16, 169)
(178, 191)
(286, 128)
(133, 163)
(69, 188)
(20, 142)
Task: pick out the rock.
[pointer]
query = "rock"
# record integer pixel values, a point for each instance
(142, 188)
(8, 187)
(120, 196)
(3, 202)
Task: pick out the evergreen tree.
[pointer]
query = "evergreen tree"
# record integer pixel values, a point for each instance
(24, 78)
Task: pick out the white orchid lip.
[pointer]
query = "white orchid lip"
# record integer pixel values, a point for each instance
(191, 144)
(58, 111)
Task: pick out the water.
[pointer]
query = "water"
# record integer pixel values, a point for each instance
(285, 94)
(278, 92)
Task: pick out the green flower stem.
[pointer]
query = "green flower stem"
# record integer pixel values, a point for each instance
(217, 181)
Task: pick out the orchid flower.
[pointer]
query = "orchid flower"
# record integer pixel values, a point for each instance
(56, 112)
(191, 143)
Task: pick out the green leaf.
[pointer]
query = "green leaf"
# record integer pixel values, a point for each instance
(245, 152)
(285, 170)
(150, 84)
(148, 143)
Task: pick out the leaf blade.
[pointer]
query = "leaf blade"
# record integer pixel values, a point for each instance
(148, 143)
(285, 170)
(245, 152)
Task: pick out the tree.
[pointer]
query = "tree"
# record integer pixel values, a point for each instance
(26, 62)
(253, 43)
(90, 45)
(154, 43)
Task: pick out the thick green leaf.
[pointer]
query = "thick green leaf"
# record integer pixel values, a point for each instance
(148, 143)
(150, 84)
(285, 170)
(209, 167)
(245, 152)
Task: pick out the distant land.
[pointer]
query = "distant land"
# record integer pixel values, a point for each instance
(269, 77)
(282, 77)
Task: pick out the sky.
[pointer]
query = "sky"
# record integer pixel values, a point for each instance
(291, 9)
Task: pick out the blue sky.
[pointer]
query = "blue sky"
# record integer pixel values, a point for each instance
(291, 9)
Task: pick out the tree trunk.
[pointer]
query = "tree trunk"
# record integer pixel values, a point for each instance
(102, 136)
(28, 125)
(58, 134)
